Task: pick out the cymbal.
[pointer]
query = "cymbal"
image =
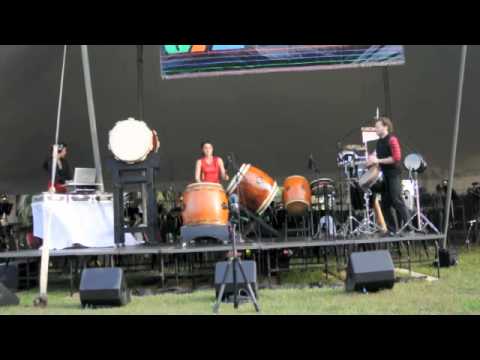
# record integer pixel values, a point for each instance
(355, 147)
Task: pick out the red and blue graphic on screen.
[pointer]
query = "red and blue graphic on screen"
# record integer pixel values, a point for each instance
(209, 60)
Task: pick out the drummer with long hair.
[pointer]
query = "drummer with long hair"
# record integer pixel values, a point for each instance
(210, 168)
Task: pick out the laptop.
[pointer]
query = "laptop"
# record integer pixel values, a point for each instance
(84, 177)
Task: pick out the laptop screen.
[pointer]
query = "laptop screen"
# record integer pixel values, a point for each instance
(85, 176)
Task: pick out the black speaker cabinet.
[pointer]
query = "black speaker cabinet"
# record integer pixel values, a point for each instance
(7, 298)
(370, 271)
(103, 287)
(447, 257)
(250, 268)
(19, 275)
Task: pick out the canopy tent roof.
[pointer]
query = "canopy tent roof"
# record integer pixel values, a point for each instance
(271, 120)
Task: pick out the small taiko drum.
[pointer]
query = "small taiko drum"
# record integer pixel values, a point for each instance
(297, 195)
(205, 204)
(131, 141)
(256, 189)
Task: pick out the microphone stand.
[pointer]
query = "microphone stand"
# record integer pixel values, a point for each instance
(234, 262)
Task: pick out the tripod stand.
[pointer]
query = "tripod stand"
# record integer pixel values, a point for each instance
(368, 225)
(234, 264)
(422, 223)
(347, 229)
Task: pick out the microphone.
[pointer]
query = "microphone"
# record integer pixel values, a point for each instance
(229, 161)
(310, 162)
(234, 205)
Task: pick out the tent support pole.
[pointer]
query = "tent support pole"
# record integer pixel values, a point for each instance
(386, 91)
(91, 115)
(454, 144)
(140, 81)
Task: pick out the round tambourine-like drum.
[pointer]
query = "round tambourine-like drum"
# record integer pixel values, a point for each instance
(205, 204)
(297, 195)
(257, 189)
(131, 141)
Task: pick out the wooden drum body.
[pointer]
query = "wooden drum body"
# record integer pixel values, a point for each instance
(297, 195)
(205, 204)
(257, 189)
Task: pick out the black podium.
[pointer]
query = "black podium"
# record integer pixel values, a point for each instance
(140, 176)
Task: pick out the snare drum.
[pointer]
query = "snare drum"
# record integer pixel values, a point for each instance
(205, 204)
(297, 195)
(131, 141)
(257, 189)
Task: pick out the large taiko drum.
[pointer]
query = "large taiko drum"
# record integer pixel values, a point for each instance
(256, 189)
(131, 141)
(297, 195)
(205, 204)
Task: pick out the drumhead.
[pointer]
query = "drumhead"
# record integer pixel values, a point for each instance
(322, 181)
(415, 162)
(238, 178)
(130, 140)
(204, 185)
(268, 200)
(296, 177)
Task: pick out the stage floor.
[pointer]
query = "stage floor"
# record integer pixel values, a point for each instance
(172, 249)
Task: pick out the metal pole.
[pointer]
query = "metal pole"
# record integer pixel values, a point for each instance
(91, 115)
(454, 143)
(140, 81)
(386, 90)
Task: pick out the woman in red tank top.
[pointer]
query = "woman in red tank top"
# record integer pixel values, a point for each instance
(210, 168)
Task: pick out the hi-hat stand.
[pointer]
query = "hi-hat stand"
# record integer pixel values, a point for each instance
(368, 225)
(422, 223)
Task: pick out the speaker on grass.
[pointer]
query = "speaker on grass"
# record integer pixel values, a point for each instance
(7, 298)
(370, 271)
(447, 257)
(103, 287)
(250, 268)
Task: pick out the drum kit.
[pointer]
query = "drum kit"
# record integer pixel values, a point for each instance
(361, 180)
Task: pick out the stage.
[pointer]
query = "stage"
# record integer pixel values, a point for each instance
(174, 261)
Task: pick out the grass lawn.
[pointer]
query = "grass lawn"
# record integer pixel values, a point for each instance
(457, 292)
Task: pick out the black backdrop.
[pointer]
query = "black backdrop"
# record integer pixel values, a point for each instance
(271, 120)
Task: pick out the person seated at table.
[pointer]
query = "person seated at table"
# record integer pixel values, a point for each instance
(63, 172)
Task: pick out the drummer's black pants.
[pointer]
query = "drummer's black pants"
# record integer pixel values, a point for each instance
(392, 198)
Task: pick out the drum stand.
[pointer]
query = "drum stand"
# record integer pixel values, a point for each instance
(368, 226)
(139, 175)
(422, 223)
(347, 229)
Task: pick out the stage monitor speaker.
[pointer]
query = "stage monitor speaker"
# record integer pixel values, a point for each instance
(370, 271)
(9, 276)
(447, 257)
(103, 287)
(7, 298)
(250, 268)
(14, 274)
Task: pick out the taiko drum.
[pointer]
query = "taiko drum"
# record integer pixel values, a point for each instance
(205, 204)
(256, 189)
(297, 195)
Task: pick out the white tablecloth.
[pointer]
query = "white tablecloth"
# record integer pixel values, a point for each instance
(84, 220)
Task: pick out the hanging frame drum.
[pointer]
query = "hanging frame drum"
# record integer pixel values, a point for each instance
(131, 141)
(415, 163)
